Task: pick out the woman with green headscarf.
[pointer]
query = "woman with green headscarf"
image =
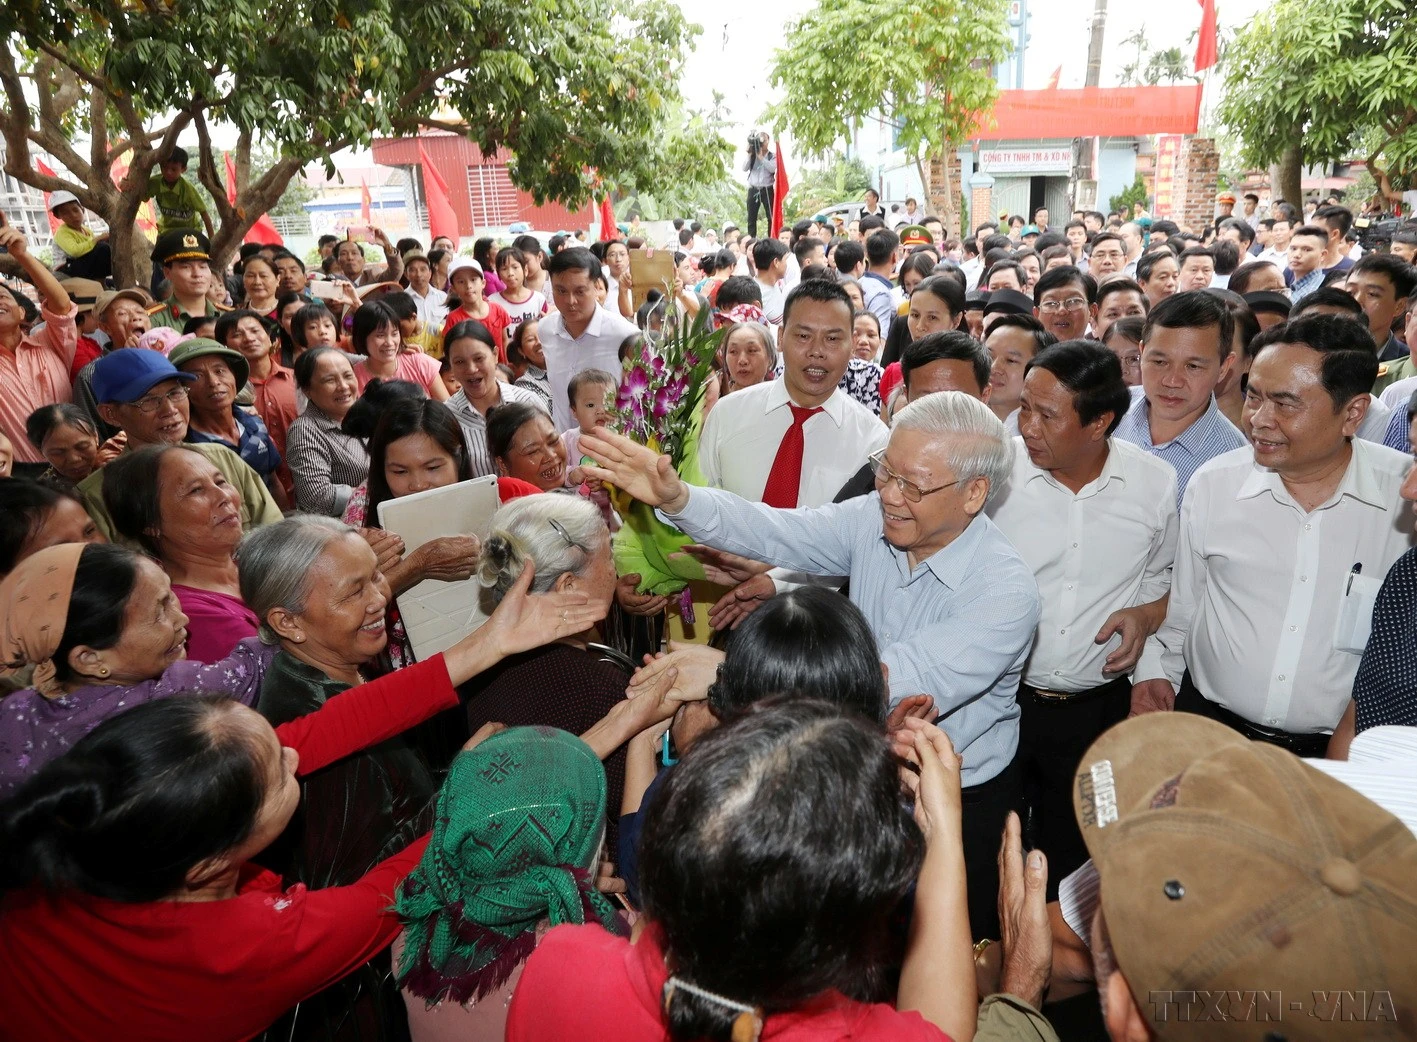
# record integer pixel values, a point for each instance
(520, 823)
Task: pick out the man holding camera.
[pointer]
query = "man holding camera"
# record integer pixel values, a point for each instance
(762, 175)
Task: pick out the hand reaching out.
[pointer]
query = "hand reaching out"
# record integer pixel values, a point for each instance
(637, 470)
(722, 567)
(1026, 934)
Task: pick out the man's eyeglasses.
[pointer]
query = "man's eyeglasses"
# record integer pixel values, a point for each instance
(1052, 307)
(153, 403)
(909, 489)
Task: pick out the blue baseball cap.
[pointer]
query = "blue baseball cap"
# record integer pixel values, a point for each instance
(129, 373)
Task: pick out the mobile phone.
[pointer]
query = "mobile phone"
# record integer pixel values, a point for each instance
(325, 289)
(361, 233)
(666, 752)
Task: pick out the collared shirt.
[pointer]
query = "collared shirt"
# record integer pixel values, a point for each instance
(876, 292)
(1259, 584)
(773, 301)
(255, 446)
(325, 462)
(957, 626)
(474, 424)
(275, 401)
(36, 373)
(1302, 287)
(432, 309)
(1106, 547)
(596, 348)
(170, 314)
(178, 205)
(1399, 430)
(742, 434)
(1210, 436)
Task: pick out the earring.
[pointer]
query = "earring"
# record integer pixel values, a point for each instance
(103, 671)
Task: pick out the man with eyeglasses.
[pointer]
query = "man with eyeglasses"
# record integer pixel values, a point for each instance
(142, 394)
(1186, 353)
(1094, 519)
(1065, 301)
(952, 604)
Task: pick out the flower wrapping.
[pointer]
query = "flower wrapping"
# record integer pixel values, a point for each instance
(659, 403)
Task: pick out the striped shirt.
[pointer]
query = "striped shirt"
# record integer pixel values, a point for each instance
(1399, 431)
(1381, 765)
(1210, 436)
(325, 463)
(958, 626)
(474, 424)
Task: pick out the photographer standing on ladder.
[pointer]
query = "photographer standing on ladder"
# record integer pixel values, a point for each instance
(762, 174)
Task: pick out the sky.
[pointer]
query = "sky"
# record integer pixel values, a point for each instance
(739, 38)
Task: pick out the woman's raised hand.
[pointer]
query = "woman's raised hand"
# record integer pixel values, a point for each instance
(524, 621)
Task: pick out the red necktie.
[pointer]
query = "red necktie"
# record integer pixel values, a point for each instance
(785, 478)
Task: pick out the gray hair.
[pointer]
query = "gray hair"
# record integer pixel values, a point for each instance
(275, 561)
(764, 335)
(975, 439)
(559, 532)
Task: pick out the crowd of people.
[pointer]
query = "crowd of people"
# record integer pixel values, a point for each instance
(1054, 672)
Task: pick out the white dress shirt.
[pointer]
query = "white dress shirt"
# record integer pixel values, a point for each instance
(597, 348)
(743, 432)
(1259, 584)
(432, 309)
(1107, 547)
(1375, 421)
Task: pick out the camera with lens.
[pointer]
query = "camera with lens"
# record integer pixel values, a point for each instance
(757, 141)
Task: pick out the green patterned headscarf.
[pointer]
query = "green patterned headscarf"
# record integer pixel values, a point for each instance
(519, 823)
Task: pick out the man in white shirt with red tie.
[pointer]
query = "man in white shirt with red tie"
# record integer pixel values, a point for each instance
(794, 441)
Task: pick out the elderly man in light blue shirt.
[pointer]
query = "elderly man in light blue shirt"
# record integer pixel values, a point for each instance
(952, 604)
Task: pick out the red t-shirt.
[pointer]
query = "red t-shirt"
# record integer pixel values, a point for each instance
(514, 488)
(583, 982)
(496, 320)
(86, 351)
(85, 968)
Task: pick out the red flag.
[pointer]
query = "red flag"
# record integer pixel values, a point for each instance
(263, 231)
(1205, 42)
(608, 230)
(779, 190)
(364, 201)
(441, 218)
(54, 222)
(1053, 79)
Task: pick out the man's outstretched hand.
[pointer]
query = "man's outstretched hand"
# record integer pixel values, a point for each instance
(635, 469)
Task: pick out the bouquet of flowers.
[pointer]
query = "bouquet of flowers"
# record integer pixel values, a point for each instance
(659, 404)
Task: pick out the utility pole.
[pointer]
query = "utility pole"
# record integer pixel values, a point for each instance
(1084, 184)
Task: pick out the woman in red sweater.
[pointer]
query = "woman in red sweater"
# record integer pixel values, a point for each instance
(131, 908)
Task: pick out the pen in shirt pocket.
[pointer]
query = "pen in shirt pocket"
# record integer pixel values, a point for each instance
(1357, 569)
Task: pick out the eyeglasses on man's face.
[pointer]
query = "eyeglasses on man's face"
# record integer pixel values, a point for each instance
(909, 489)
(1052, 307)
(153, 402)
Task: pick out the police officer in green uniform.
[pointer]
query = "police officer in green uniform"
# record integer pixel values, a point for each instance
(183, 256)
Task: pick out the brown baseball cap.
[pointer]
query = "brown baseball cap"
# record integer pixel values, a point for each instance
(1248, 895)
(108, 296)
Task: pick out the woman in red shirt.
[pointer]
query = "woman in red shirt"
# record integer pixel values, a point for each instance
(131, 908)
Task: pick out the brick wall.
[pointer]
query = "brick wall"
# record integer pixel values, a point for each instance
(1197, 182)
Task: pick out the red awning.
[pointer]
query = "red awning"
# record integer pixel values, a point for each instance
(1093, 112)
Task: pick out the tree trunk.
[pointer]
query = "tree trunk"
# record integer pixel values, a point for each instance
(1291, 170)
(942, 191)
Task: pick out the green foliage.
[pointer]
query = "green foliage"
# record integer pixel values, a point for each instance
(1324, 73)
(577, 92)
(1128, 197)
(927, 65)
(693, 181)
(816, 189)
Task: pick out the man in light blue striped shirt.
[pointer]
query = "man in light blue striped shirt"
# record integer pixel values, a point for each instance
(952, 604)
(1186, 352)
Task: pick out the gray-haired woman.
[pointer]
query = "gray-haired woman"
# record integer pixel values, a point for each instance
(571, 684)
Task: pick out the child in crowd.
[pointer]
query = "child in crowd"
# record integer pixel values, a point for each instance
(589, 390)
(87, 254)
(516, 299)
(467, 281)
